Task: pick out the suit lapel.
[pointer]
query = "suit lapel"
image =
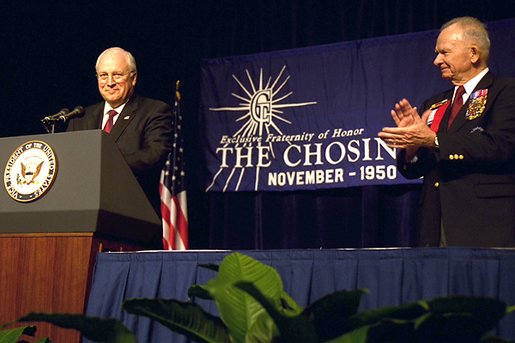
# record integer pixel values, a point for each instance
(124, 119)
(95, 120)
(443, 124)
(460, 120)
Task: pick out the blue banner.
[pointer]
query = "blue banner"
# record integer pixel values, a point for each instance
(308, 118)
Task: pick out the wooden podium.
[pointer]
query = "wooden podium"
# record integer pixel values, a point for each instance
(48, 246)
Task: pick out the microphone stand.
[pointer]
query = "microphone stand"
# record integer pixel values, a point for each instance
(49, 125)
(63, 115)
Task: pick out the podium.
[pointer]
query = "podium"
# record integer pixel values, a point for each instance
(48, 245)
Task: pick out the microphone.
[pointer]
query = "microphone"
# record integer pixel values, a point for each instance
(55, 117)
(77, 111)
(63, 115)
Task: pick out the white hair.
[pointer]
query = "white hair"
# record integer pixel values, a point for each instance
(130, 59)
(475, 30)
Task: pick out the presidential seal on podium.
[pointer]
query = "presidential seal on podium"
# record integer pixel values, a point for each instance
(30, 171)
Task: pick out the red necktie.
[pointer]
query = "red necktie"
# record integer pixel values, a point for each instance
(109, 124)
(456, 105)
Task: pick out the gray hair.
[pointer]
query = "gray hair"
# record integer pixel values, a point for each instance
(474, 30)
(131, 61)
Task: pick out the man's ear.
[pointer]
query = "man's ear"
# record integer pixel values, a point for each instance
(474, 54)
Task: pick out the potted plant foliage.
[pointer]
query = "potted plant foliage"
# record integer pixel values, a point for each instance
(253, 307)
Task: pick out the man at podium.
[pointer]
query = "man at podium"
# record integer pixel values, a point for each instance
(141, 127)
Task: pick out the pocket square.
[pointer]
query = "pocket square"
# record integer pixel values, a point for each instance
(477, 128)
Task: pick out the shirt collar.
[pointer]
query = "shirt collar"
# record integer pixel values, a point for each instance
(472, 83)
(118, 109)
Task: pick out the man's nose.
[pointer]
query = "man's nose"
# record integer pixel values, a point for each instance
(438, 60)
(110, 80)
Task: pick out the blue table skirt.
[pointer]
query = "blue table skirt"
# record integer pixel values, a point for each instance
(393, 276)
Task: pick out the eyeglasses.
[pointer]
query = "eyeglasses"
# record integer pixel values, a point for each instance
(116, 77)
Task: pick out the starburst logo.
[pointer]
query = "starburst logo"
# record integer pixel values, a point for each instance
(262, 104)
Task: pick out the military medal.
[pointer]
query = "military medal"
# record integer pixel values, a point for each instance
(437, 111)
(438, 104)
(477, 104)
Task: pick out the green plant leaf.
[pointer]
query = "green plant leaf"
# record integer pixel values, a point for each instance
(485, 311)
(43, 340)
(453, 327)
(385, 330)
(289, 305)
(197, 291)
(331, 314)
(358, 335)
(210, 266)
(13, 335)
(97, 329)
(188, 319)
(5, 325)
(392, 330)
(263, 330)
(465, 319)
(410, 311)
(238, 309)
(293, 327)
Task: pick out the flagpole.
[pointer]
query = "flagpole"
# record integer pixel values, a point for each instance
(172, 188)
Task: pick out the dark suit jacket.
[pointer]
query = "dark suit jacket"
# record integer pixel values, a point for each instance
(143, 134)
(469, 183)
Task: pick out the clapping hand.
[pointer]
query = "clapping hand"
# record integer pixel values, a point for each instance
(411, 131)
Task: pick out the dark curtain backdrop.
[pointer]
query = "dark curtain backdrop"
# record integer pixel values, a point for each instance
(47, 62)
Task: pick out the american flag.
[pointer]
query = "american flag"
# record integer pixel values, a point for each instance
(174, 207)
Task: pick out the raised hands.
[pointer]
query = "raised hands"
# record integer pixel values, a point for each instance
(411, 131)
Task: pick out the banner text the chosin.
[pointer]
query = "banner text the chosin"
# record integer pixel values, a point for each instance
(310, 163)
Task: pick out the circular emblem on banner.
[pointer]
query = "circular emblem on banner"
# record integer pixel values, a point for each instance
(30, 171)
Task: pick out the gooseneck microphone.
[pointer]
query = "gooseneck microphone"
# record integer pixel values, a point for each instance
(63, 115)
(55, 117)
(77, 112)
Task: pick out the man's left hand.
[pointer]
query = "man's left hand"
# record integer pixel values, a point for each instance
(412, 130)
